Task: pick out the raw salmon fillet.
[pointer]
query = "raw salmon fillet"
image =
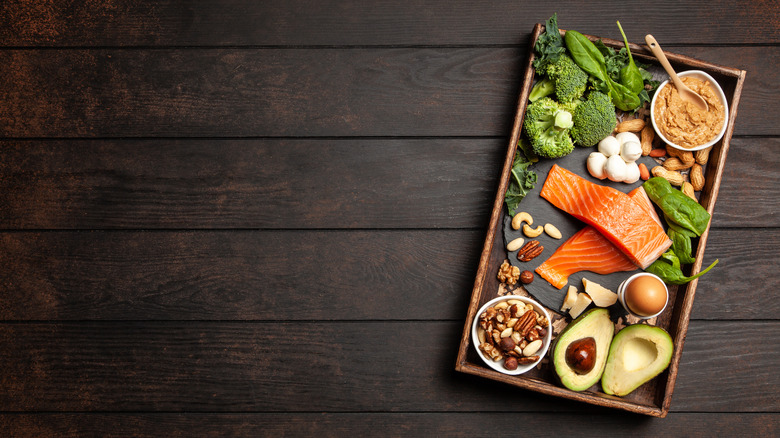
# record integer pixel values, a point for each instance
(621, 218)
(586, 250)
(640, 195)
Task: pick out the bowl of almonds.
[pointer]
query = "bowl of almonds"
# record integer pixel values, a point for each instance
(512, 334)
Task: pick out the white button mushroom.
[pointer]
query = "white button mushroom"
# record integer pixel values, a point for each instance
(609, 146)
(630, 151)
(632, 173)
(623, 137)
(615, 168)
(596, 162)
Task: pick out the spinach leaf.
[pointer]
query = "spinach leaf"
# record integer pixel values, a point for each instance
(521, 182)
(586, 55)
(681, 242)
(667, 267)
(686, 219)
(589, 58)
(677, 207)
(630, 76)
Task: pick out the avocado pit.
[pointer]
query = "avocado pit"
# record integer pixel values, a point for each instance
(581, 355)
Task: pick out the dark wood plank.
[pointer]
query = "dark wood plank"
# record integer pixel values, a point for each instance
(300, 183)
(288, 183)
(301, 92)
(323, 275)
(451, 424)
(176, 22)
(321, 366)
(237, 275)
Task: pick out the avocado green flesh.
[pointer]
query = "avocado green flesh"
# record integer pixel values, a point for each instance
(638, 353)
(594, 323)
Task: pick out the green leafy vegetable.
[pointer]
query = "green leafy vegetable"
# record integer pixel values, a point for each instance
(521, 181)
(589, 58)
(667, 267)
(681, 242)
(549, 46)
(630, 76)
(525, 147)
(686, 219)
(677, 207)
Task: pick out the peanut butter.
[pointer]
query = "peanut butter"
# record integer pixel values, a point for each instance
(682, 122)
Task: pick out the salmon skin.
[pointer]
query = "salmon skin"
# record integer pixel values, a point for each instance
(620, 218)
(586, 250)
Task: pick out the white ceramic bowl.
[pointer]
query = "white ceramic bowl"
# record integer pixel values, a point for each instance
(622, 292)
(499, 365)
(718, 90)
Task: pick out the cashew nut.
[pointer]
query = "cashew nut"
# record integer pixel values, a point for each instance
(521, 217)
(532, 232)
(552, 231)
(515, 244)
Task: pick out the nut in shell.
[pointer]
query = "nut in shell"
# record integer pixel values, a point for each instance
(631, 125)
(697, 177)
(686, 188)
(674, 177)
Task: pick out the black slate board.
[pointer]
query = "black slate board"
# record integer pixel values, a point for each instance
(544, 212)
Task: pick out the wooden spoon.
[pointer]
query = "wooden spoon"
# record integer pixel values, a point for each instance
(686, 93)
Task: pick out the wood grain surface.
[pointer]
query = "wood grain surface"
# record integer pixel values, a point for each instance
(236, 218)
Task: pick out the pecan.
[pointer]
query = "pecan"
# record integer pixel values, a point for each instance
(529, 251)
(526, 323)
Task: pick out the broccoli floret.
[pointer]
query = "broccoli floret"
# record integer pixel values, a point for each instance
(543, 88)
(569, 79)
(594, 119)
(547, 127)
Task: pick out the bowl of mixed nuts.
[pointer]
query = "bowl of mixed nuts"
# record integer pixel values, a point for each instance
(512, 334)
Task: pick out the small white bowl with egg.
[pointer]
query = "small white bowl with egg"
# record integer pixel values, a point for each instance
(643, 295)
(658, 108)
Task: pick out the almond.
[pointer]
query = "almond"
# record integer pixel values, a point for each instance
(657, 153)
(643, 172)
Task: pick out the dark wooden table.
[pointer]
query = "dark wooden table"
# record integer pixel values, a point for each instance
(264, 218)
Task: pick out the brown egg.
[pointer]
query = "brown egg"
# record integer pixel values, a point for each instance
(645, 295)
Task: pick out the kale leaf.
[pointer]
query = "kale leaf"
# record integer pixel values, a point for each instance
(521, 182)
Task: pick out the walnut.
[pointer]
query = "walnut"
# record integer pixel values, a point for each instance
(508, 274)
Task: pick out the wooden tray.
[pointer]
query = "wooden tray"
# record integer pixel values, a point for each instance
(654, 397)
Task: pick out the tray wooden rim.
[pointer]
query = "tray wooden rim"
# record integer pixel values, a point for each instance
(680, 321)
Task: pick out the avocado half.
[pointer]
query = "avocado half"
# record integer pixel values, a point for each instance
(594, 323)
(638, 353)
